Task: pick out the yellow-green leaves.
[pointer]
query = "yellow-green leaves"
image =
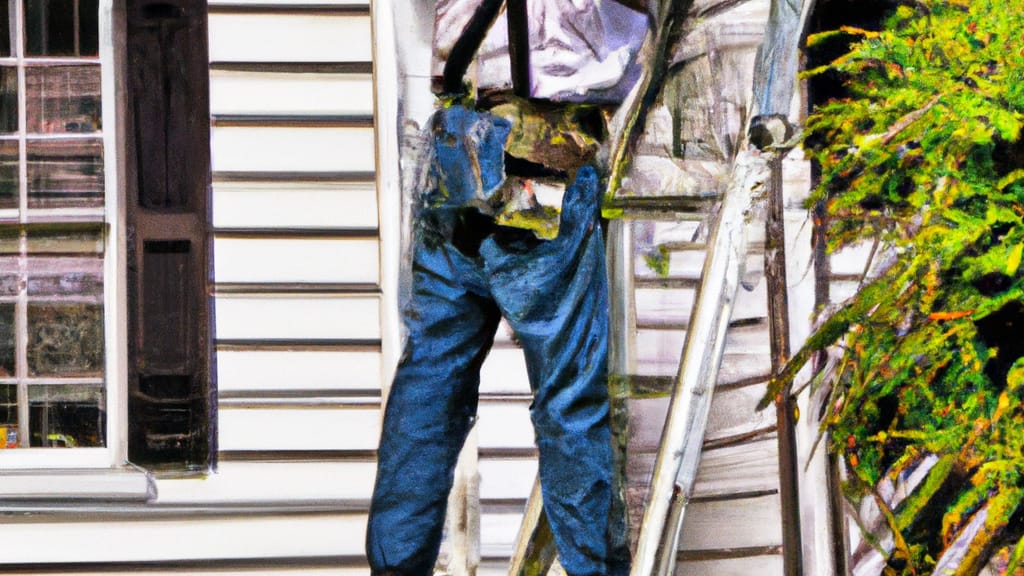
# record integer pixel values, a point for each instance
(924, 155)
(1013, 259)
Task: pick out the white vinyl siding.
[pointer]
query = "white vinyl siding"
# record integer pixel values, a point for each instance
(301, 428)
(298, 260)
(283, 37)
(274, 92)
(190, 537)
(257, 318)
(298, 299)
(241, 371)
(293, 482)
(295, 205)
(304, 149)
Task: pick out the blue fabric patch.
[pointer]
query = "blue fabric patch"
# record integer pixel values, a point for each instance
(469, 156)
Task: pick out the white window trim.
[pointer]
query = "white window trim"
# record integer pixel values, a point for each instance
(96, 473)
(69, 484)
(389, 182)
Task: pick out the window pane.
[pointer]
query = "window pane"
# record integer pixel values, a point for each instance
(8, 416)
(77, 279)
(8, 99)
(9, 271)
(65, 339)
(5, 32)
(65, 173)
(65, 308)
(8, 174)
(62, 27)
(7, 339)
(62, 99)
(66, 416)
(49, 242)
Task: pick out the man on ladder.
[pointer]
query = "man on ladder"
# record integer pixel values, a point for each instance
(486, 247)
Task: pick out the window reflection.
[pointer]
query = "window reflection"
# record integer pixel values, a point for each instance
(7, 342)
(65, 340)
(52, 349)
(62, 99)
(66, 416)
(5, 29)
(62, 27)
(65, 173)
(65, 310)
(8, 416)
(9, 189)
(8, 99)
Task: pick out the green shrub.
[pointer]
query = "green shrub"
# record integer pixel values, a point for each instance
(924, 159)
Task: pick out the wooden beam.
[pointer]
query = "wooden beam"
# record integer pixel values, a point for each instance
(535, 545)
(785, 405)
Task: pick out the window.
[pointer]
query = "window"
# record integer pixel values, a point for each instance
(104, 177)
(53, 233)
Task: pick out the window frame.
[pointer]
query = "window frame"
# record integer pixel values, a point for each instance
(111, 57)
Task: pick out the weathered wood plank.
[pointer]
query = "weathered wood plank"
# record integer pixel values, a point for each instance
(498, 533)
(741, 469)
(732, 524)
(768, 565)
(850, 260)
(732, 414)
(746, 468)
(671, 307)
(745, 356)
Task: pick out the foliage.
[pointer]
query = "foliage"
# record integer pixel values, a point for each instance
(658, 260)
(924, 159)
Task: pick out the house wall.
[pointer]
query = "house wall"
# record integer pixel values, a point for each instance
(309, 213)
(306, 219)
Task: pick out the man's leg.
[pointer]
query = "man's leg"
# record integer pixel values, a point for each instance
(555, 296)
(433, 400)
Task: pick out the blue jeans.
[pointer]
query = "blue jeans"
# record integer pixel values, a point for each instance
(555, 296)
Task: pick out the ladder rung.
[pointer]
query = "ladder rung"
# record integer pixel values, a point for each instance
(731, 497)
(670, 325)
(703, 204)
(651, 386)
(728, 553)
(684, 246)
(737, 439)
(676, 283)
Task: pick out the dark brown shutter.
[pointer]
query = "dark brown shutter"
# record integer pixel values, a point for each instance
(171, 402)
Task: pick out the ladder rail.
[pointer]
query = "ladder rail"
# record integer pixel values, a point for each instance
(682, 438)
(535, 545)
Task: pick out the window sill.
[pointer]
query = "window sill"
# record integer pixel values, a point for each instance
(77, 485)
